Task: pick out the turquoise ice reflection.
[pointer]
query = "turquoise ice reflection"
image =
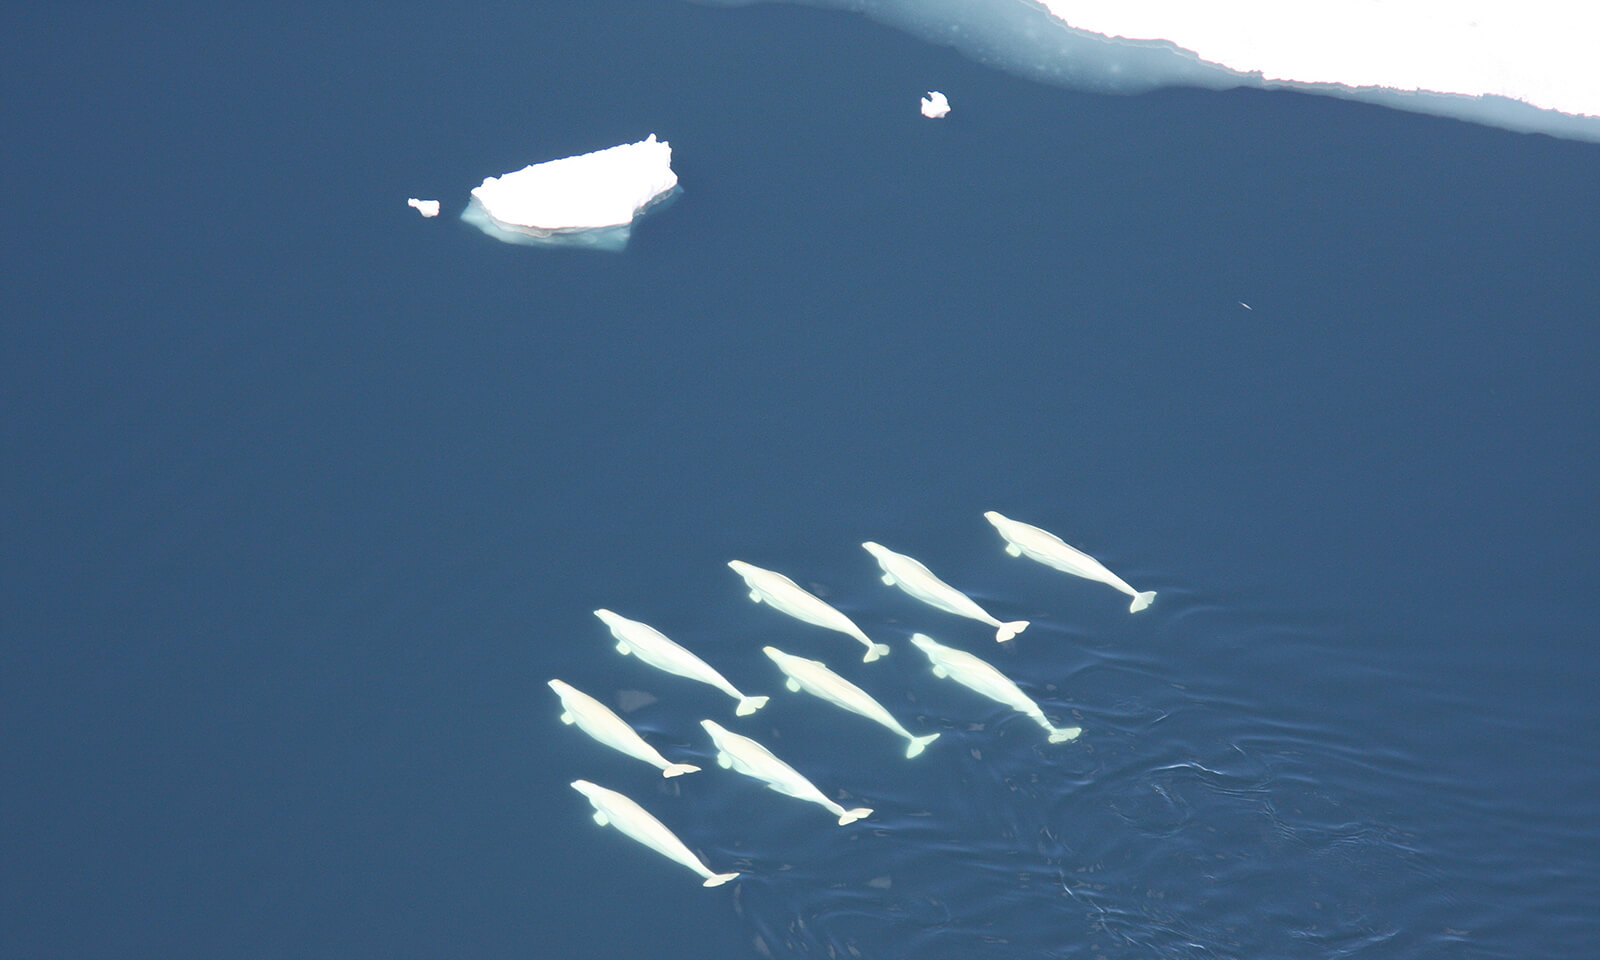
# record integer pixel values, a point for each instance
(610, 239)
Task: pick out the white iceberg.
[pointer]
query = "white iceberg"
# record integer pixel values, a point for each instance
(1525, 66)
(935, 105)
(587, 201)
(428, 208)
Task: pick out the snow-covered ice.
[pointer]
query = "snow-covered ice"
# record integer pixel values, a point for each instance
(428, 208)
(935, 105)
(1527, 65)
(1542, 52)
(589, 200)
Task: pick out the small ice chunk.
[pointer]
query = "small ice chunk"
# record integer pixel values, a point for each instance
(428, 208)
(589, 200)
(935, 105)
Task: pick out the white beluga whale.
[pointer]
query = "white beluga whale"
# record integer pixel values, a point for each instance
(786, 596)
(653, 647)
(815, 678)
(614, 809)
(981, 677)
(911, 576)
(597, 720)
(744, 755)
(1024, 539)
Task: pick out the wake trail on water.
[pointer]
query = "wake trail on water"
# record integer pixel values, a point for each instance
(1185, 807)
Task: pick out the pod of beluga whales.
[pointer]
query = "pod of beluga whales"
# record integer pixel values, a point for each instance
(741, 754)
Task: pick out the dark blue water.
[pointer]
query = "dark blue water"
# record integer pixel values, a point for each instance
(305, 498)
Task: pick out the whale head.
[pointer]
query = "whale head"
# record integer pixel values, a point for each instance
(924, 642)
(713, 728)
(995, 517)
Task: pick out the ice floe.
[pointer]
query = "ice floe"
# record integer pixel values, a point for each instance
(1525, 66)
(1526, 51)
(935, 105)
(590, 200)
(428, 208)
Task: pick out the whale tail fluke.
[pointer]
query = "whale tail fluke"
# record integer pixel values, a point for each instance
(1141, 600)
(749, 705)
(919, 744)
(1009, 630)
(851, 816)
(1062, 736)
(678, 769)
(875, 651)
(719, 879)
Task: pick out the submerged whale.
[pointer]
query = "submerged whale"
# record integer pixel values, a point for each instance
(1024, 539)
(597, 720)
(814, 677)
(744, 755)
(653, 647)
(982, 677)
(786, 596)
(614, 809)
(911, 576)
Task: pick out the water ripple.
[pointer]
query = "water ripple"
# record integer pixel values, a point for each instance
(1196, 817)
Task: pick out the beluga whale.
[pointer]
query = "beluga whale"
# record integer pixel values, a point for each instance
(981, 677)
(786, 596)
(597, 720)
(744, 755)
(613, 809)
(911, 576)
(814, 677)
(653, 647)
(1024, 539)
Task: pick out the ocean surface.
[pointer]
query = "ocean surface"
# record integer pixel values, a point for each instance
(305, 498)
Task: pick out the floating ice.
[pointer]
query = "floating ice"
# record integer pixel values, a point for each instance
(1464, 58)
(935, 105)
(428, 208)
(1525, 66)
(589, 200)
(1524, 51)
